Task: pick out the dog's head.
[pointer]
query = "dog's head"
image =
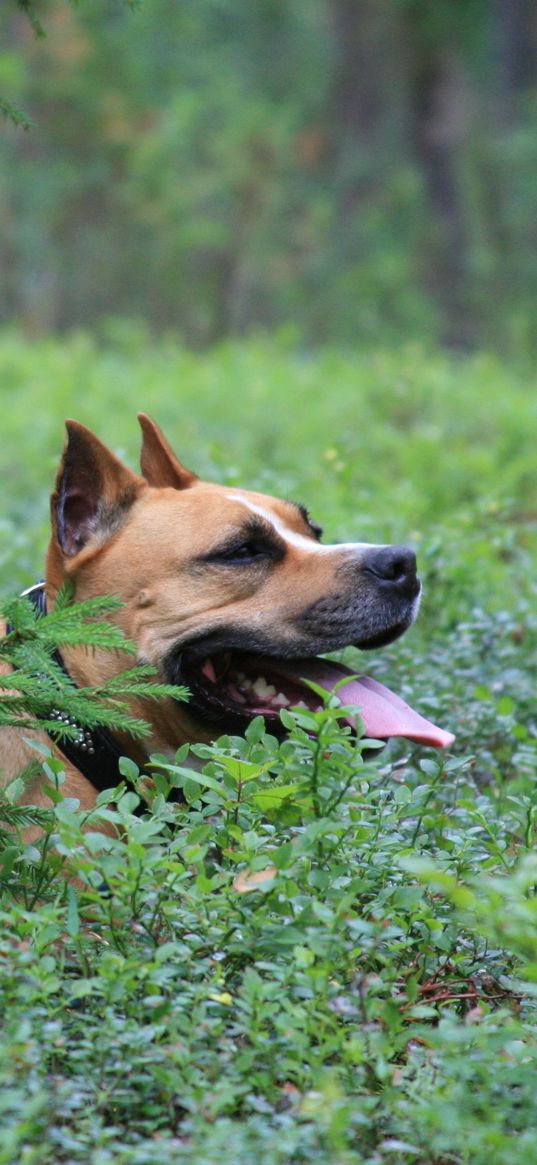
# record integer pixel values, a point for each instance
(223, 589)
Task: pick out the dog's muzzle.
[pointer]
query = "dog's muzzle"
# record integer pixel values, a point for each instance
(374, 601)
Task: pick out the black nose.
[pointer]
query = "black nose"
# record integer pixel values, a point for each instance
(393, 566)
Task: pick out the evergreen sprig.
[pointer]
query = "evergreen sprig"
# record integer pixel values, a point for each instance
(68, 623)
(18, 817)
(36, 687)
(29, 10)
(17, 116)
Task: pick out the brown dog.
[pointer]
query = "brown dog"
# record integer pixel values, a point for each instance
(229, 592)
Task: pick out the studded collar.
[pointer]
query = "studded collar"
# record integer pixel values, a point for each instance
(94, 751)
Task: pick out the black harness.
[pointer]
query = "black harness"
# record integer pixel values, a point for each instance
(93, 751)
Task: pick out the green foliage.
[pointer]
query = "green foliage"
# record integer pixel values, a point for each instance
(308, 951)
(299, 962)
(215, 166)
(38, 685)
(30, 10)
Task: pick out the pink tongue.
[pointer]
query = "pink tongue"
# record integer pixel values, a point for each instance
(383, 713)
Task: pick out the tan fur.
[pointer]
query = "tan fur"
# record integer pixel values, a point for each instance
(146, 539)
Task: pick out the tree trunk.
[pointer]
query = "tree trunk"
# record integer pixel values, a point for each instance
(440, 103)
(516, 38)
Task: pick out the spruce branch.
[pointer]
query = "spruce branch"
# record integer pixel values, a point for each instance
(17, 116)
(15, 817)
(29, 11)
(68, 624)
(37, 688)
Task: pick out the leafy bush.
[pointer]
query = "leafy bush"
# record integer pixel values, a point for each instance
(310, 942)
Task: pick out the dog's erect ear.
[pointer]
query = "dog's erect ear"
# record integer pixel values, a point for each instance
(94, 491)
(160, 466)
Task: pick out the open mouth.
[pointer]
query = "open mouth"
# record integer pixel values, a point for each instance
(229, 688)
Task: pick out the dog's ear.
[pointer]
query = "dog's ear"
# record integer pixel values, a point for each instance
(94, 491)
(160, 466)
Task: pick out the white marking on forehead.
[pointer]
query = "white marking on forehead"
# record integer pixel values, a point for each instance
(298, 540)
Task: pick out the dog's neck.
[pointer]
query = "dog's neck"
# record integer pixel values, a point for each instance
(96, 753)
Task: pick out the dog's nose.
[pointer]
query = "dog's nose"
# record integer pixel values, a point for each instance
(394, 567)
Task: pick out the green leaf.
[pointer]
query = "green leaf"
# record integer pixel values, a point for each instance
(271, 798)
(193, 776)
(73, 917)
(128, 769)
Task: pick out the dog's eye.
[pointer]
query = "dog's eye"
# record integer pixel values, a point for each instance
(315, 529)
(257, 543)
(242, 552)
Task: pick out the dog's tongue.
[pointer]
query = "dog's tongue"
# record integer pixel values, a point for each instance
(384, 714)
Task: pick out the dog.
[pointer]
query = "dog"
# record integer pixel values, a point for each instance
(229, 592)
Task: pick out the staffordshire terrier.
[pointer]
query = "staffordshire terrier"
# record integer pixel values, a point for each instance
(229, 592)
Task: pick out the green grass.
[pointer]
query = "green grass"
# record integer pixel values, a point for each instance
(317, 957)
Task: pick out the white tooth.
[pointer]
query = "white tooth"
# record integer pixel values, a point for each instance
(261, 688)
(281, 700)
(301, 704)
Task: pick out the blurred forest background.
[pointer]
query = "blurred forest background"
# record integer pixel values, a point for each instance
(361, 171)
